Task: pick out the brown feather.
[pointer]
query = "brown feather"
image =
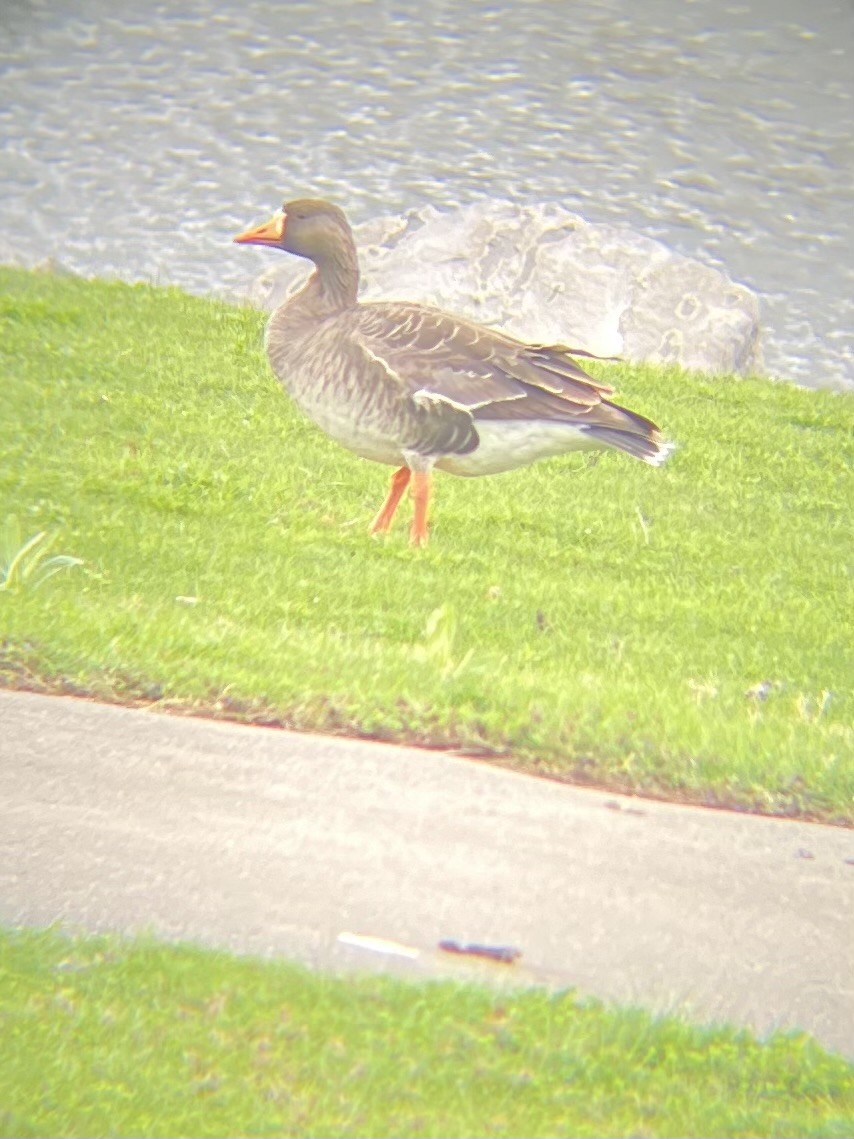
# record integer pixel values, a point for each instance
(475, 367)
(392, 380)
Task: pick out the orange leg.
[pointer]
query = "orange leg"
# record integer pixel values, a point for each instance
(421, 498)
(399, 483)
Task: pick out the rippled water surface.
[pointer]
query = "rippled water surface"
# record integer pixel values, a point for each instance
(139, 138)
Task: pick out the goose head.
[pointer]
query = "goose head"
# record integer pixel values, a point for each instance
(308, 227)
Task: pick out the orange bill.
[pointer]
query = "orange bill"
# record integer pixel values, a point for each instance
(270, 233)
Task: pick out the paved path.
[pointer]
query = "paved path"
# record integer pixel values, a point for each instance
(275, 843)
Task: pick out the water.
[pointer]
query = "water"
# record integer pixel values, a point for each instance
(138, 139)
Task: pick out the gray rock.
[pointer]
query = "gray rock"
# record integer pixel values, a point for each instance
(544, 274)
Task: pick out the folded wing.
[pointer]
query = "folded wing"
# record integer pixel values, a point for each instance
(457, 373)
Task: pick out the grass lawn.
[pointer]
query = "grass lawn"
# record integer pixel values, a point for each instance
(109, 1037)
(684, 632)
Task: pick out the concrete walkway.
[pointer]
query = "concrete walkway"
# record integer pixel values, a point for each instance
(270, 842)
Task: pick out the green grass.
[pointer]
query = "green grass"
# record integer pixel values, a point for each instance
(682, 632)
(109, 1037)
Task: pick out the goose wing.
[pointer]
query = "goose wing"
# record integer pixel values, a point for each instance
(457, 371)
(476, 367)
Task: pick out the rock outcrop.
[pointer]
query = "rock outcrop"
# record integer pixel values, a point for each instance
(547, 275)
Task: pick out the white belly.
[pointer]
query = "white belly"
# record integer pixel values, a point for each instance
(507, 445)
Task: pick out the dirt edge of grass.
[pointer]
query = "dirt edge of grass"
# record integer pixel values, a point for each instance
(213, 1008)
(323, 716)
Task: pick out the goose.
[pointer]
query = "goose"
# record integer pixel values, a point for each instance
(421, 389)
